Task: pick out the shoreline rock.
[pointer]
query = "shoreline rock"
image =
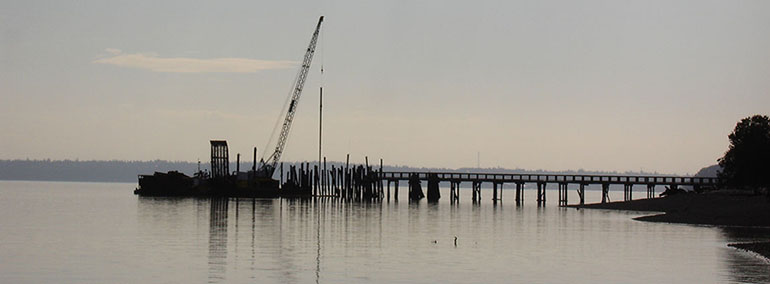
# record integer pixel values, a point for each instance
(760, 248)
(716, 209)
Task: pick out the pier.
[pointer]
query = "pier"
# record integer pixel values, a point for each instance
(371, 183)
(518, 181)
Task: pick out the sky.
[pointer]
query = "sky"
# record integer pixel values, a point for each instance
(654, 86)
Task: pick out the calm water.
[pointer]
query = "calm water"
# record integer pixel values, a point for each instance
(102, 233)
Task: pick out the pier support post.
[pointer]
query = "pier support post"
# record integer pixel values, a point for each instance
(541, 193)
(605, 192)
(453, 191)
(494, 192)
(415, 188)
(473, 190)
(650, 191)
(395, 191)
(388, 190)
(563, 194)
(628, 192)
(457, 191)
(519, 193)
(582, 193)
(433, 192)
(315, 176)
(476, 191)
(324, 179)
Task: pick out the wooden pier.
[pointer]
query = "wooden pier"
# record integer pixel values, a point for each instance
(370, 183)
(541, 181)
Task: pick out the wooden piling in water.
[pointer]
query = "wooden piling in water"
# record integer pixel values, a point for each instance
(628, 192)
(324, 180)
(388, 190)
(650, 191)
(433, 191)
(605, 192)
(519, 193)
(395, 191)
(563, 193)
(476, 191)
(347, 186)
(316, 174)
(494, 192)
(415, 188)
(541, 193)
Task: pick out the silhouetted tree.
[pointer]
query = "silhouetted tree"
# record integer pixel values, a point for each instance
(746, 163)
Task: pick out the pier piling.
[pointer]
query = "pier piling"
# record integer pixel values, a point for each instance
(541, 193)
(494, 192)
(605, 192)
(628, 192)
(582, 193)
(650, 191)
(433, 192)
(563, 193)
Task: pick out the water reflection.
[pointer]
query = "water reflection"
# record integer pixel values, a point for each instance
(743, 266)
(300, 241)
(218, 239)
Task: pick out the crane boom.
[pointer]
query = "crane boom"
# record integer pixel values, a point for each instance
(268, 167)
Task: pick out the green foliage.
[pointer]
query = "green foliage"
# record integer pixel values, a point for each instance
(746, 163)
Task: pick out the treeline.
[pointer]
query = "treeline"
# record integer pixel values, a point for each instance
(127, 171)
(74, 170)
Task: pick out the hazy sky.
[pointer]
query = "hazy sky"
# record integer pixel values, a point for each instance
(597, 85)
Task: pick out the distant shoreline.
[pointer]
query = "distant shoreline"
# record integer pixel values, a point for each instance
(127, 171)
(72, 181)
(726, 209)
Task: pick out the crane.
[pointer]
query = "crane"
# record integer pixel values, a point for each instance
(267, 168)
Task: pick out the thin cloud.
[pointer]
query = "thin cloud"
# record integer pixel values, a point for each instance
(155, 63)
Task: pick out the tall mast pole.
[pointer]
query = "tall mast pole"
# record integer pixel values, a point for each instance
(320, 128)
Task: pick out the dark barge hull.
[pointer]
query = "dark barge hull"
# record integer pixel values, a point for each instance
(172, 183)
(177, 184)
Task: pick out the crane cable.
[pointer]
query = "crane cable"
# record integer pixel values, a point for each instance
(279, 120)
(285, 111)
